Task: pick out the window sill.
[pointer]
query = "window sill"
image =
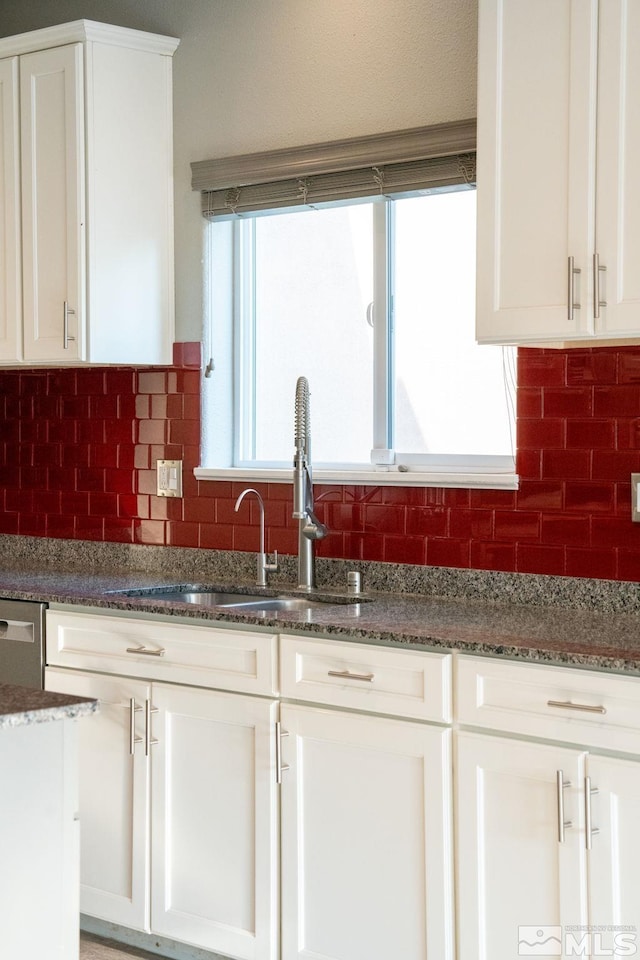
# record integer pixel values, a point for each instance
(380, 477)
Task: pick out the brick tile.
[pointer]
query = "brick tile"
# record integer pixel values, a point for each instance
(615, 532)
(448, 553)
(471, 524)
(590, 497)
(534, 434)
(529, 464)
(565, 531)
(427, 521)
(532, 558)
(539, 368)
(591, 434)
(492, 556)
(517, 525)
(529, 402)
(540, 495)
(629, 365)
(404, 549)
(384, 518)
(152, 381)
(591, 366)
(615, 464)
(601, 564)
(149, 531)
(215, 536)
(616, 401)
(566, 464)
(575, 402)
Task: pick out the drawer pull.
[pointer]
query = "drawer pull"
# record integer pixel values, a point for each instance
(148, 653)
(584, 707)
(149, 741)
(589, 830)
(133, 709)
(280, 766)
(347, 675)
(561, 786)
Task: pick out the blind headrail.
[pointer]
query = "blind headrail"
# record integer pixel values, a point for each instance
(401, 146)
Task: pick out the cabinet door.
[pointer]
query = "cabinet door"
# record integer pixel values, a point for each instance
(618, 193)
(10, 259)
(366, 838)
(536, 167)
(519, 881)
(614, 887)
(114, 798)
(52, 132)
(214, 832)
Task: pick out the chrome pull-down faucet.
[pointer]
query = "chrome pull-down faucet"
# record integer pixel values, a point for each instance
(309, 527)
(263, 566)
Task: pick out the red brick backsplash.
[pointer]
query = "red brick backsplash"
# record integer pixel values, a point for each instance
(78, 452)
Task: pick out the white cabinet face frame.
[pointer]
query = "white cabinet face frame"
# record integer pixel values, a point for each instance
(215, 838)
(53, 202)
(537, 75)
(615, 849)
(10, 258)
(518, 870)
(366, 838)
(114, 797)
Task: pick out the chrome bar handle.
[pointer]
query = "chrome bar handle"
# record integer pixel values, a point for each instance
(148, 740)
(597, 302)
(347, 675)
(589, 829)
(572, 305)
(280, 766)
(568, 705)
(148, 653)
(66, 338)
(133, 709)
(561, 785)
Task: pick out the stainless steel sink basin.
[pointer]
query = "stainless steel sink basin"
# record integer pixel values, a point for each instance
(239, 601)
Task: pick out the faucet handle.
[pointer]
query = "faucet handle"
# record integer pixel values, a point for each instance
(271, 567)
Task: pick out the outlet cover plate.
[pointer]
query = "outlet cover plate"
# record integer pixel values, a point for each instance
(169, 478)
(635, 494)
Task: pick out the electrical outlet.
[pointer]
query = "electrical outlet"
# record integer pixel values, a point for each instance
(635, 497)
(169, 476)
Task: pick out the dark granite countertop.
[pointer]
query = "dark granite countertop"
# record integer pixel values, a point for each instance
(21, 706)
(597, 636)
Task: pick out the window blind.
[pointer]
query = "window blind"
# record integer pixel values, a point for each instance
(406, 162)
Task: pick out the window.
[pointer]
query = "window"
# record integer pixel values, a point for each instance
(373, 301)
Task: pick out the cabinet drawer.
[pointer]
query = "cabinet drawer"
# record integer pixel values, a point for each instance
(555, 703)
(377, 679)
(203, 656)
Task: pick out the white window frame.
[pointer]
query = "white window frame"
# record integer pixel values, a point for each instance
(387, 467)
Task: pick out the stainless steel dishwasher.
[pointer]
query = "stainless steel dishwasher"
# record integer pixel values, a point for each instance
(22, 643)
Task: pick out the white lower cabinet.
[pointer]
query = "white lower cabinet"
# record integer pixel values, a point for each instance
(214, 830)
(179, 813)
(366, 838)
(547, 835)
(518, 870)
(114, 797)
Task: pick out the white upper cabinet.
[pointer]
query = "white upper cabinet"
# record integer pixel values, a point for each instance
(96, 184)
(10, 260)
(558, 205)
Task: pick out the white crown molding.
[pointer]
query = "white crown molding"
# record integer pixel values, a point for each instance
(79, 31)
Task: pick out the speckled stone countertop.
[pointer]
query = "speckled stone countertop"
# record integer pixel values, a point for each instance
(20, 706)
(571, 621)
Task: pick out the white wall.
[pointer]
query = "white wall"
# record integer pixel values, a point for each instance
(255, 75)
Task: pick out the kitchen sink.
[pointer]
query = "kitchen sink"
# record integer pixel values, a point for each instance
(239, 601)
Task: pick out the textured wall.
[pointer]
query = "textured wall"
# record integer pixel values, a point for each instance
(255, 75)
(78, 450)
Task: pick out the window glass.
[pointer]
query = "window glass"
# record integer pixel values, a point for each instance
(313, 282)
(449, 393)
